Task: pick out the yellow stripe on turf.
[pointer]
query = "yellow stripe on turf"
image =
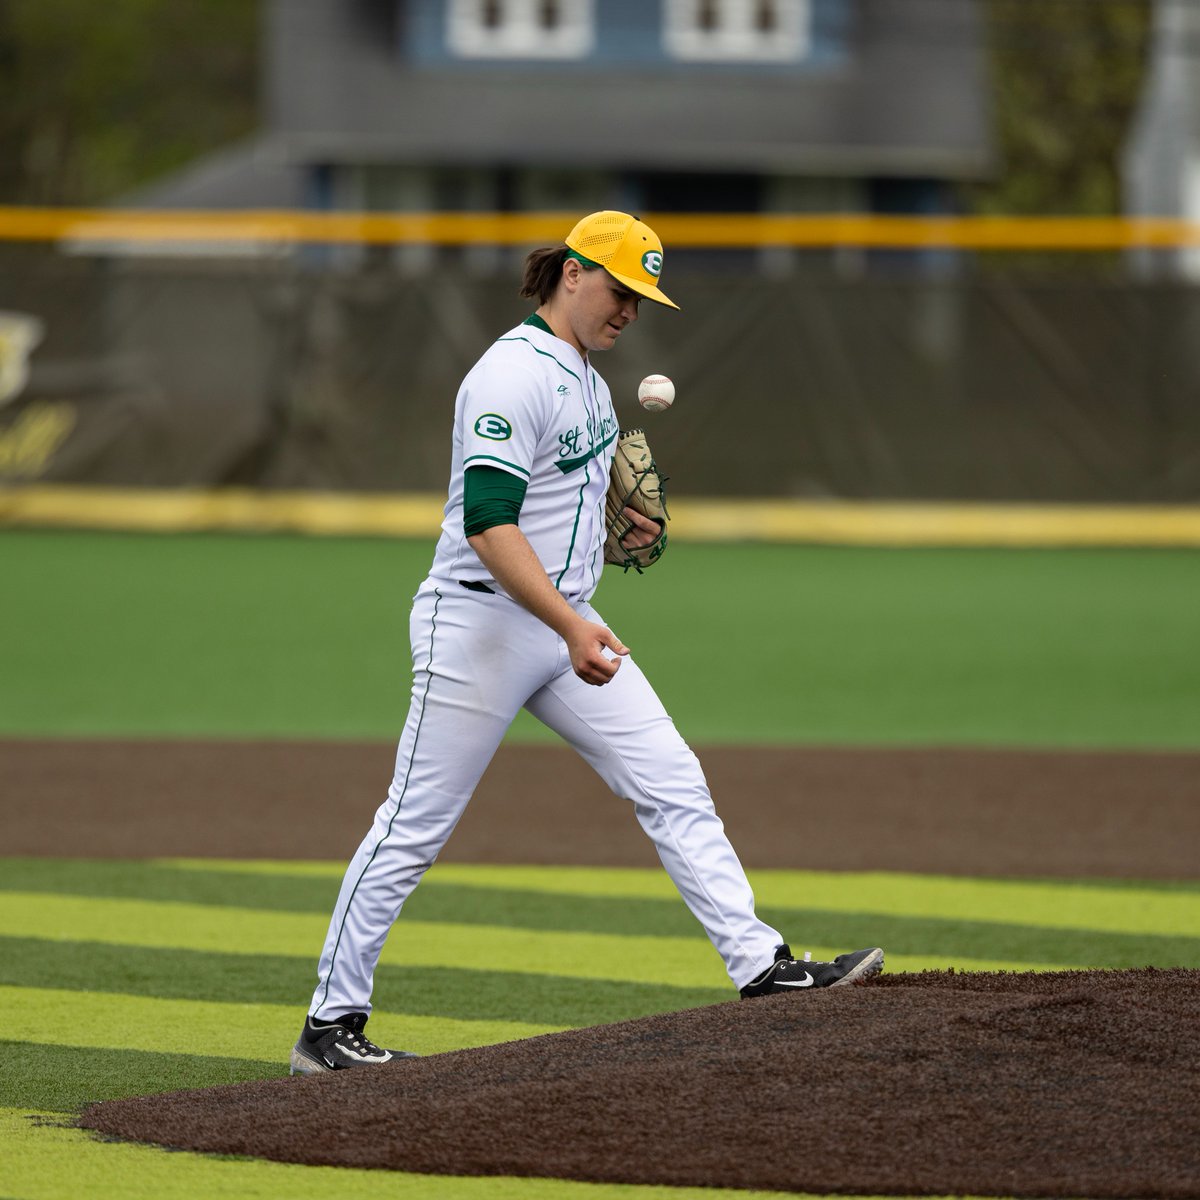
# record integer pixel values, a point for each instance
(685, 961)
(1041, 904)
(44, 1161)
(679, 962)
(115, 1021)
(1065, 905)
(303, 869)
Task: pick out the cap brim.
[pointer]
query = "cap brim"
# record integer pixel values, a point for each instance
(648, 290)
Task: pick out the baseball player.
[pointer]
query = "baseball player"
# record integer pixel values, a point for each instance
(504, 621)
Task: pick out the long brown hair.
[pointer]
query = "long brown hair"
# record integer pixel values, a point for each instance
(543, 270)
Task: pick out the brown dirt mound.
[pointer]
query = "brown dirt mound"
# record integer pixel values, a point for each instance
(1058, 1084)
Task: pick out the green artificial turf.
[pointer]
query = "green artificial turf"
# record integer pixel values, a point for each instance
(249, 636)
(126, 978)
(66, 1078)
(998, 927)
(45, 1159)
(449, 992)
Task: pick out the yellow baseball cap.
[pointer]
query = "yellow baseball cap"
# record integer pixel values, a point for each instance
(628, 249)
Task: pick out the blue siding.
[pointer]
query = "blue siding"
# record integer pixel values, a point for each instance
(422, 31)
(628, 34)
(833, 24)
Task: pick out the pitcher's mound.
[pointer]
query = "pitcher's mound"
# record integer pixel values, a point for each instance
(1076, 1083)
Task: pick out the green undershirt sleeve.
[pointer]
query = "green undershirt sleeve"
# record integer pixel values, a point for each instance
(490, 497)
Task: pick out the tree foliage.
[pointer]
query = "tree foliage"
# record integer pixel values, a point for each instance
(102, 97)
(1066, 78)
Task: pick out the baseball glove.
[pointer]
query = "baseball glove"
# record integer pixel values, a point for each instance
(634, 482)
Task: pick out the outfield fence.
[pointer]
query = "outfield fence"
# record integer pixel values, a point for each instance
(419, 515)
(819, 360)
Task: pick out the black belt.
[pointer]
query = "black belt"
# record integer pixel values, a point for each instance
(474, 585)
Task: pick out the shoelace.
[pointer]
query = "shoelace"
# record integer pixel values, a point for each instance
(784, 961)
(361, 1043)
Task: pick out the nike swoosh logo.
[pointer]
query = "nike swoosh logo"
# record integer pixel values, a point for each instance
(807, 981)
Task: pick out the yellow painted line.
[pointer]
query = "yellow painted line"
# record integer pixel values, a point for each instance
(419, 515)
(678, 230)
(216, 1029)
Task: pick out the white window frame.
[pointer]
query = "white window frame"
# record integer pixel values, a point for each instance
(735, 39)
(520, 33)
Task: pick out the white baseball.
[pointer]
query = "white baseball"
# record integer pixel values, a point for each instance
(656, 393)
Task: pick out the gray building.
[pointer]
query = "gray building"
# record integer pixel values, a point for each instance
(646, 105)
(881, 383)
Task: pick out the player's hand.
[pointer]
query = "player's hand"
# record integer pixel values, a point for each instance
(644, 532)
(586, 644)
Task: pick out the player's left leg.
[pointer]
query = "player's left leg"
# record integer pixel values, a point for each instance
(625, 733)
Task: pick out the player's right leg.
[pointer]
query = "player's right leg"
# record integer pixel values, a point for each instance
(475, 659)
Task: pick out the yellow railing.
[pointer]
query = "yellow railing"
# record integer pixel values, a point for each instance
(419, 515)
(678, 230)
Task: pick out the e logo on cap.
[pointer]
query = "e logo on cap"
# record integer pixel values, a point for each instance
(652, 263)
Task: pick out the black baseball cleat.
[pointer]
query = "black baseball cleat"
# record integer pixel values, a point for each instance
(336, 1045)
(788, 974)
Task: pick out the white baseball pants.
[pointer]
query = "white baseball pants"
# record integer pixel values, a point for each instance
(477, 660)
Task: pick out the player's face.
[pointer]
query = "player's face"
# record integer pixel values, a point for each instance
(601, 310)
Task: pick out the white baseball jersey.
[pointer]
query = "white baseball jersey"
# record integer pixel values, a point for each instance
(533, 407)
